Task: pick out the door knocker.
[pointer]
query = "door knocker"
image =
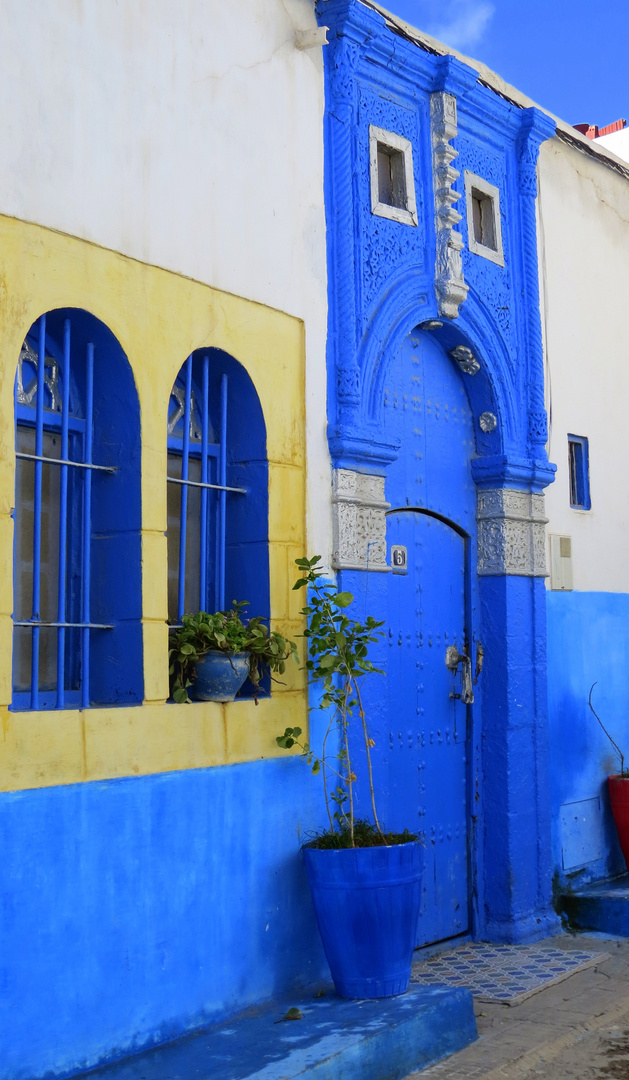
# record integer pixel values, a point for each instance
(453, 659)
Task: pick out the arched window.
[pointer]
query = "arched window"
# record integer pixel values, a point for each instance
(217, 489)
(77, 555)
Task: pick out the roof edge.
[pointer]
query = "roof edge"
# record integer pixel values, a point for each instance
(565, 132)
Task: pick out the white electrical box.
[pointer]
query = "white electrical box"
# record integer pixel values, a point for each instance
(561, 562)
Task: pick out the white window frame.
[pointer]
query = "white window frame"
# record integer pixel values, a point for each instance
(476, 183)
(408, 215)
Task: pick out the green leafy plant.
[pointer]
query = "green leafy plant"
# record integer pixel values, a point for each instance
(226, 632)
(338, 659)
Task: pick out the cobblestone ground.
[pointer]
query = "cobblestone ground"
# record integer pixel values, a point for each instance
(576, 1030)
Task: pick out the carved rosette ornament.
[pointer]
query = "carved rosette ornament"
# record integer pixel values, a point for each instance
(488, 422)
(359, 521)
(511, 533)
(450, 286)
(466, 360)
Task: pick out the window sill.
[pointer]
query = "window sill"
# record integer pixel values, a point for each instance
(394, 213)
(46, 749)
(491, 254)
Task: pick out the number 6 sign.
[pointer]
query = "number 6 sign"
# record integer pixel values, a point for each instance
(398, 559)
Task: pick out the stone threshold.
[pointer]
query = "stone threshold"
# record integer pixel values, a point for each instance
(381, 1039)
(602, 906)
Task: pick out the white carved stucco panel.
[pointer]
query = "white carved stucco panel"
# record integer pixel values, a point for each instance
(511, 533)
(359, 521)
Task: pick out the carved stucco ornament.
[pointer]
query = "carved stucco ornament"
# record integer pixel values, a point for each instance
(359, 521)
(27, 394)
(179, 394)
(488, 422)
(450, 287)
(466, 360)
(511, 533)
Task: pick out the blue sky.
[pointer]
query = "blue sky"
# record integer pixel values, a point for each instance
(570, 57)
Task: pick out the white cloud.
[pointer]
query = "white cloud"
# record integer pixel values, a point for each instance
(463, 26)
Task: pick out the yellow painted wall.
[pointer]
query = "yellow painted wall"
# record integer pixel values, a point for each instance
(159, 318)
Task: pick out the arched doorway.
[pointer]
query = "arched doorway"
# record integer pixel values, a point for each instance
(431, 615)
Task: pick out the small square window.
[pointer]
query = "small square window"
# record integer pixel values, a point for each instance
(391, 173)
(391, 179)
(483, 218)
(579, 472)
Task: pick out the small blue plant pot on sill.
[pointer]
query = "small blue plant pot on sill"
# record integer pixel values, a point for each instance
(220, 676)
(367, 901)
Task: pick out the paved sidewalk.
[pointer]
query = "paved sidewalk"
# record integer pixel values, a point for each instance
(576, 1030)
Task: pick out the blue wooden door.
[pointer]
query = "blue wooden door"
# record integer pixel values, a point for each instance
(433, 502)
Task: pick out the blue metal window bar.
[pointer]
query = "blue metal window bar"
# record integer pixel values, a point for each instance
(59, 419)
(195, 444)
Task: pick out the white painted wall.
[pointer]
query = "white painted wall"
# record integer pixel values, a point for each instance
(188, 135)
(584, 245)
(617, 142)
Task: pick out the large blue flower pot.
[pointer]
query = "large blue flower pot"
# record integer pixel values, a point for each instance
(217, 679)
(366, 901)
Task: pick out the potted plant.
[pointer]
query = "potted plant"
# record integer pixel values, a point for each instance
(618, 788)
(213, 654)
(365, 882)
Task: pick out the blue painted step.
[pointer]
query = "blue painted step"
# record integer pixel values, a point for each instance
(383, 1039)
(602, 906)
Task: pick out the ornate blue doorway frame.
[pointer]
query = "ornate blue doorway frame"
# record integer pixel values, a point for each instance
(420, 263)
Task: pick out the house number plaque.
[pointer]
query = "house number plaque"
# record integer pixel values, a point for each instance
(399, 561)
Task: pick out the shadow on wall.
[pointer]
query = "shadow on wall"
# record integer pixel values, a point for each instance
(588, 641)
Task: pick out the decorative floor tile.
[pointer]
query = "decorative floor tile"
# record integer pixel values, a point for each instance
(503, 973)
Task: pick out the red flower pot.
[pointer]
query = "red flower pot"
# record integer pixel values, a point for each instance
(618, 787)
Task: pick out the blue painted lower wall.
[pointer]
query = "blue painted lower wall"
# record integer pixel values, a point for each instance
(134, 910)
(588, 641)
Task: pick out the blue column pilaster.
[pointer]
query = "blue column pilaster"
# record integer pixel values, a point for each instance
(514, 754)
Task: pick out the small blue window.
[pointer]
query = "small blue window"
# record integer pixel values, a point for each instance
(217, 489)
(579, 471)
(77, 637)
